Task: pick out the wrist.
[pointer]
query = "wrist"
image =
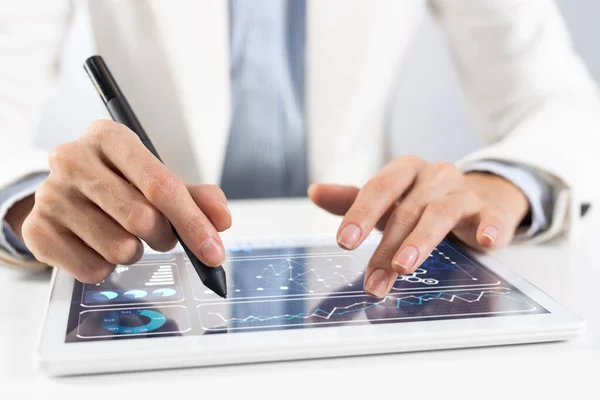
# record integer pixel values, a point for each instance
(18, 212)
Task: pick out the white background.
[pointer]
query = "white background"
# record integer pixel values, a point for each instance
(429, 99)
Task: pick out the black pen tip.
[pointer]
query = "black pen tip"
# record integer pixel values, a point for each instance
(216, 281)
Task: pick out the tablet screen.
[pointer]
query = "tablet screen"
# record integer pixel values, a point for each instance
(285, 287)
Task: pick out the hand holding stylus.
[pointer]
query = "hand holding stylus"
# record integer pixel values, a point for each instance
(106, 190)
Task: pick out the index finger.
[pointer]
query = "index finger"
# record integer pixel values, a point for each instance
(124, 151)
(375, 198)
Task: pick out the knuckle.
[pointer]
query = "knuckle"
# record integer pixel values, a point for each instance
(443, 166)
(123, 251)
(496, 210)
(439, 209)
(414, 160)
(409, 160)
(407, 214)
(46, 197)
(382, 183)
(361, 212)
(160, 187)
(444, 170)
(33, 230)
(64, 157)
(100, 131)
(37, 236)
(501, 213)
(196, 226)
(423, 240)
(468, 196)
(142, 219)
(443, 210)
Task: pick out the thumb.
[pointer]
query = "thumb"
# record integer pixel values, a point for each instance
(496, 227)
(337, 199)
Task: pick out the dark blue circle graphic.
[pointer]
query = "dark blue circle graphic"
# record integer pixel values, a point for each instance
(129, 322)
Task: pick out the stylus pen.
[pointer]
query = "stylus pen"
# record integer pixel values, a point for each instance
(213, 278)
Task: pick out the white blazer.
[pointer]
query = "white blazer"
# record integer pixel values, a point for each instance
(531, 98)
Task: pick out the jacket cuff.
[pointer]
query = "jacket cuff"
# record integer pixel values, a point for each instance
(9, 242)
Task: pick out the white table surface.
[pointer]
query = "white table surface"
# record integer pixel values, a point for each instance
(568, 273)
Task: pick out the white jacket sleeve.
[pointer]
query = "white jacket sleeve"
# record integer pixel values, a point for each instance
(31, 37)
(530, 95)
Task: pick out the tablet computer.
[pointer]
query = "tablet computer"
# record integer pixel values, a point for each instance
(289, 298)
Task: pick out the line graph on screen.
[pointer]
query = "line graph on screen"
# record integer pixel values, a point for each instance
(362, 309)
(315, 274)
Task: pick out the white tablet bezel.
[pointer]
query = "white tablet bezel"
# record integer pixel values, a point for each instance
(58, 357)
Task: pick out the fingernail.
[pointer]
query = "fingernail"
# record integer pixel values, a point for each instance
(211, 251)
(349, 236)
(406, 258)
(377, 283)
(490, 232)
(227, 209)
(310, 190)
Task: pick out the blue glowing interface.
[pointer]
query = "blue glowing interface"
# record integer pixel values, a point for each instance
(285, 288)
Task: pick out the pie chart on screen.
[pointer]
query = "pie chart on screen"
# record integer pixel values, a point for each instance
(133, 321)
(164, 292)
(135, 294)
(104, 296)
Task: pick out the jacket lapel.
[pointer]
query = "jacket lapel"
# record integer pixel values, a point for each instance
(171, 59)
(196, 40)
(355, 51)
